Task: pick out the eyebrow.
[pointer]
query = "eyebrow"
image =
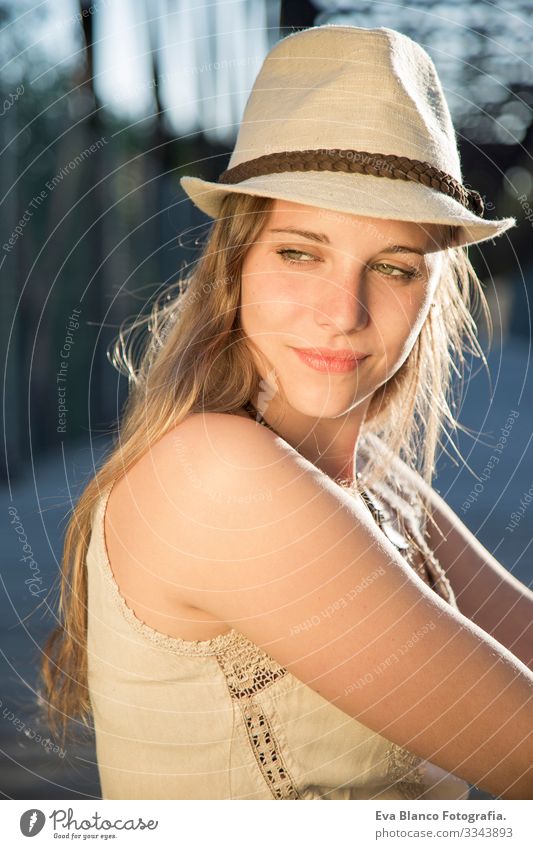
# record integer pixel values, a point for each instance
(321, 237)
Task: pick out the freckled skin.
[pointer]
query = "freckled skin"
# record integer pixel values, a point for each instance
(352, 293)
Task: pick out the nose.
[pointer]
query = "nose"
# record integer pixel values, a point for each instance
(342, 303)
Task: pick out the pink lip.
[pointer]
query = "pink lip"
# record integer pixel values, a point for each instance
(326, 361)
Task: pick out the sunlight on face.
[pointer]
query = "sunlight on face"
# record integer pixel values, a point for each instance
(343, 282)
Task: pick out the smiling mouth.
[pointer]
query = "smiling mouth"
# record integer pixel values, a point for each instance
(331, 354)
(340, 362)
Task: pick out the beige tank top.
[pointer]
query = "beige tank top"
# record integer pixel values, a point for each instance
(220, 719)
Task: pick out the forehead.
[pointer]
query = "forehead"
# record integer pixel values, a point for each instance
(336, 227)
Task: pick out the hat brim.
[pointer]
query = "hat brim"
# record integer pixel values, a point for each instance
(357, 194)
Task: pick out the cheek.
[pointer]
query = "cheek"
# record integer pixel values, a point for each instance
(269, 302)
(402, 316)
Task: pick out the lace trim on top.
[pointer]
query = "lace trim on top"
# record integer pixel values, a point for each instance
(268, 752)
(405, 773)
(249, 671)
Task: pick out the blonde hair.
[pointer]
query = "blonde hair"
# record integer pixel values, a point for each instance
(195, 356)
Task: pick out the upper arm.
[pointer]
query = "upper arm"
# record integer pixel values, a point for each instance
(271, 546)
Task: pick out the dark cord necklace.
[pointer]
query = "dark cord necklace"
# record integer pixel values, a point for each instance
(377, 508)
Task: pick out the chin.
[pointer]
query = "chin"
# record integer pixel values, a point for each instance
(323, 407)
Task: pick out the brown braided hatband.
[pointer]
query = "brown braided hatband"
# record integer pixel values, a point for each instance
(358, 162)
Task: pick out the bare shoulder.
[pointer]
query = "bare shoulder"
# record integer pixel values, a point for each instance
(212, 435)
(211, 471)
(159, 512)
(227, 458)
(186, 471)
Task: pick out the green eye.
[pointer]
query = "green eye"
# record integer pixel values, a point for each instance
(401, 272)
(287, 254)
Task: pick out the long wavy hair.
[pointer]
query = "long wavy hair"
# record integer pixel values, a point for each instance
(189, 354)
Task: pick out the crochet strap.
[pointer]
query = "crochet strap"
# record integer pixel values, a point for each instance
(359, 162)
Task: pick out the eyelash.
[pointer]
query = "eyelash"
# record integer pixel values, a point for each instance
(405, 275)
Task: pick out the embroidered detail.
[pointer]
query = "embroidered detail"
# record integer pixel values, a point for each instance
(248, 669)
(403, 770)
(267, 751)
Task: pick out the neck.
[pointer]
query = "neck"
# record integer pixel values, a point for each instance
(329, 443)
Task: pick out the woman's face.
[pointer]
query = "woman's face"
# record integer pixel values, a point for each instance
(342, 282)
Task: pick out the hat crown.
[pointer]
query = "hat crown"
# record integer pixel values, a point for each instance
(326, 91)
(349, 87)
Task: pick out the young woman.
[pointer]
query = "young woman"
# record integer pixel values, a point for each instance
(263, 597)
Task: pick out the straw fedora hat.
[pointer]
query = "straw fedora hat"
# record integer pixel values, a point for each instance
(353, 120)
